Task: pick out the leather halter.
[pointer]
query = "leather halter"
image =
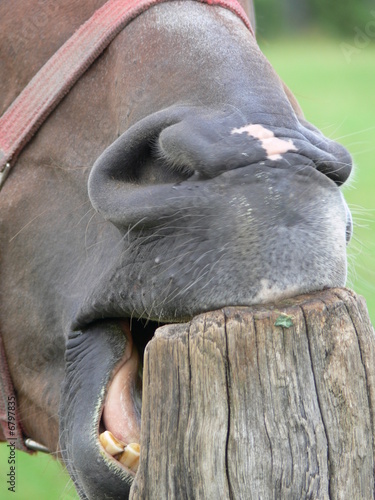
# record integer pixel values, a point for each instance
(29, 111)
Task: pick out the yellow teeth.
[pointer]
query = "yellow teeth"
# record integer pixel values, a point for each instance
(130, 456)
(112, 445)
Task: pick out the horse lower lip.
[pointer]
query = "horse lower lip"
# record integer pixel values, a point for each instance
(120, 414)
(93, 357)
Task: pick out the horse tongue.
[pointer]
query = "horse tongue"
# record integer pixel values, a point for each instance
(120, 414)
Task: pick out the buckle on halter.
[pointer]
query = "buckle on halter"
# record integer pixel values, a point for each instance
(35, 446)
(4, 173)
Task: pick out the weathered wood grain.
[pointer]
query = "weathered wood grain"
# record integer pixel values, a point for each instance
(235, 407)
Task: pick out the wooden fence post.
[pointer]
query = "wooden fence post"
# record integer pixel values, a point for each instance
(272, 402)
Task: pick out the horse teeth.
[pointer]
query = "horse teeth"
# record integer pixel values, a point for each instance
(112, 445)
(130, 456)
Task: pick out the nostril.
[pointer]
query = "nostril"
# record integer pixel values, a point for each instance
(163, 149)
(335, 170)
(344, 163)
(338, 164)
(185, 145)
(171, 148)
(331, 158)
(132, 179)
(128, 160)
(176, 164)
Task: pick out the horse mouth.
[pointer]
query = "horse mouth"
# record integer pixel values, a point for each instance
(120, 412)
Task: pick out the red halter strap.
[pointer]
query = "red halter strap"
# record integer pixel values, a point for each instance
(54, 80)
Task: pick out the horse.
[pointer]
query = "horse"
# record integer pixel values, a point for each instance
(175, 175)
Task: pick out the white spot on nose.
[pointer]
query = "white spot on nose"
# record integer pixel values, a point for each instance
(273, 146)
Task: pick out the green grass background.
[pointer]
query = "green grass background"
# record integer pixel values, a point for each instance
(339, 98)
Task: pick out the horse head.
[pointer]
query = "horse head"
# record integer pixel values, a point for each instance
(177, 176)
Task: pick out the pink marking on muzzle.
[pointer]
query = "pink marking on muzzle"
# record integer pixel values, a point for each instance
(273, 146)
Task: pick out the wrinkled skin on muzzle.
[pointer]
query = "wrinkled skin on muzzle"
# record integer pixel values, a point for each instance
(178, 176)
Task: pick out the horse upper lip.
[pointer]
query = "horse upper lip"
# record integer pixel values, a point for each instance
(91, 311)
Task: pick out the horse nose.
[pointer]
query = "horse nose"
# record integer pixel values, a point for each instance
(210, 142)
(121, 178)
(132, 182)
(136, 174)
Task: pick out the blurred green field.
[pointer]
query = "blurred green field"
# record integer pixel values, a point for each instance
(339, 98)
(38, 477)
